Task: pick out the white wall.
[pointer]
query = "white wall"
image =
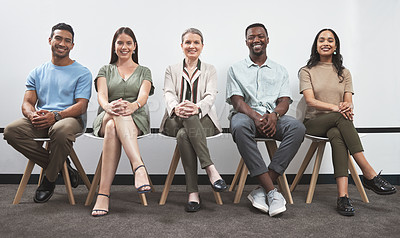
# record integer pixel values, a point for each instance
(369, 33)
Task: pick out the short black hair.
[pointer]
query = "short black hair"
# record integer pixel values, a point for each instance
(62, 26)
(255, 25)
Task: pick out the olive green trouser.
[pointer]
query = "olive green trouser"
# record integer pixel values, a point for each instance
(191, 136)
(342, 136)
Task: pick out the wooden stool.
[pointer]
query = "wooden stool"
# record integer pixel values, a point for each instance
(97, 175)
(171, 173)
(242, 171)
(318, 143)
(31, 164)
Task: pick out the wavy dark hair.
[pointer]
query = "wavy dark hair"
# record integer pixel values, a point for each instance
(129, 32)
(62, 26)
(337, 59)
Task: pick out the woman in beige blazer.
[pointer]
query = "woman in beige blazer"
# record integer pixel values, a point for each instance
(190, 88)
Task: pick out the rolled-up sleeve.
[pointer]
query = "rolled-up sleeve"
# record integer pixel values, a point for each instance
(305, 80)
(285, 87)
(232, 86)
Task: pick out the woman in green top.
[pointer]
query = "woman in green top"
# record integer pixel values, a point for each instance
(123, 87)
(327, 88)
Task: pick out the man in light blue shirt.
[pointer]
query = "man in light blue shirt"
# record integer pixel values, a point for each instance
(259, 91)
(55, 102)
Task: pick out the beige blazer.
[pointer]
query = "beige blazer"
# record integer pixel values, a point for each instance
(207, 91)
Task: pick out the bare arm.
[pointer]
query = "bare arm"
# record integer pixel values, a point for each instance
(281, 108)
(28, 104)
(43, 119)
(317, 104)
(241, 106)
(141, 99)
(345, 107)
(75, 110)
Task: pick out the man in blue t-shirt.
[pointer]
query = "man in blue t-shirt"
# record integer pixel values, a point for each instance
(55, 103)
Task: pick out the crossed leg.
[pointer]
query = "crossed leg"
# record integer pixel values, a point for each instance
(118, 131)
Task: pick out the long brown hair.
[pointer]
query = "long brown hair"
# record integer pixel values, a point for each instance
(129, 32)
(337, 59)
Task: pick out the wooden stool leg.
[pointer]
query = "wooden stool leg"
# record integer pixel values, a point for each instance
(357, 180)
(40, 177)
(306, 162)
(153, 189)
(24, 181)
(95, 183)
(242, 181)
(67, 182)
(46, 146)
(236, 177)
(284, 188)
(80, 169)
(170, 176)
(218, 198)
(317, 165)
(282, 181)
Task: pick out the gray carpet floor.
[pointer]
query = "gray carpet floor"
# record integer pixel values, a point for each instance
(128, 218)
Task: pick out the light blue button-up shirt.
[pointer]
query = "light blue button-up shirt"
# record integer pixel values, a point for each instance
(260, 86)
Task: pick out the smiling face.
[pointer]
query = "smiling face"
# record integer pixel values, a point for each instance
(61, 43)
(257, 41)
(124, 46)
(326, 44)
(192, 46)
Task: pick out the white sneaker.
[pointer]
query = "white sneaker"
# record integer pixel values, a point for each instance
(257, 198)
(276, 202)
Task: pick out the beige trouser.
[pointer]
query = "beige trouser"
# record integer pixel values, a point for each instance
(20, 134)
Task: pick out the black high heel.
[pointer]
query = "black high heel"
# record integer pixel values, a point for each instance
(145, 185)
(101, 210)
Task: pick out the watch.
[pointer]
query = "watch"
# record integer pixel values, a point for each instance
(277, 115)
(57, 116)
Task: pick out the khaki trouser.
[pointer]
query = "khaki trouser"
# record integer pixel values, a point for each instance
(20, 134)
(191, 136)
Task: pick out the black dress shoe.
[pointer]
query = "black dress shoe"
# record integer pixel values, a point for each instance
(219, 185)
(44, 191)
(379, 185)
(192, 206)
(344, 206)
(73, 175)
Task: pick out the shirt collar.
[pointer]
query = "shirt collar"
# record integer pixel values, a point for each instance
(249, 63)
(198, 64)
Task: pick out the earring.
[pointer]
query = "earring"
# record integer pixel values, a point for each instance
(134, 52)
(334, 52)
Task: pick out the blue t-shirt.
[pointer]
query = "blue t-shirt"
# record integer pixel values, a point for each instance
(57, 87)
